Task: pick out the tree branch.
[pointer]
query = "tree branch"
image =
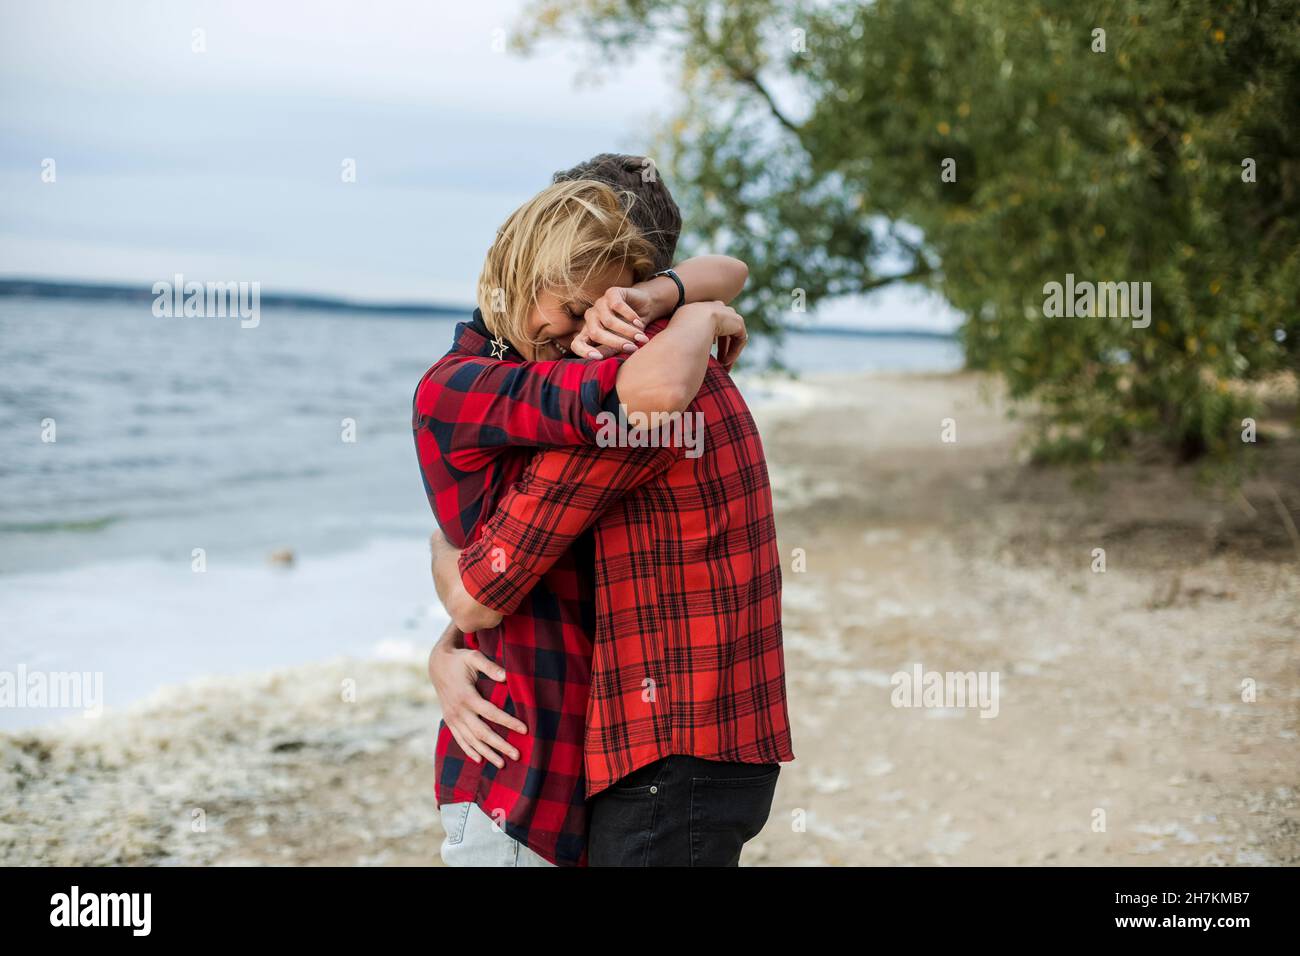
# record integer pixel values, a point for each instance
(916, 273)
(752, 81)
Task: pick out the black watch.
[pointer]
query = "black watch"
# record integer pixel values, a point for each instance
(681, 289)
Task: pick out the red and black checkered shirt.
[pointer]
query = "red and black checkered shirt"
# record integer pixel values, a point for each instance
(687, 654)
(477, 420)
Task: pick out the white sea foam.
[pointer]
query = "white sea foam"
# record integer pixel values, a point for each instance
(146, 623)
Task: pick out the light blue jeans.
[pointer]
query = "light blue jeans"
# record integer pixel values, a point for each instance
(473, 839)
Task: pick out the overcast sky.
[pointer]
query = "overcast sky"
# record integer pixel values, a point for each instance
(226, 164)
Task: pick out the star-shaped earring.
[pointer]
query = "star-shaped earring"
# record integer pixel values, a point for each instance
(498, 348)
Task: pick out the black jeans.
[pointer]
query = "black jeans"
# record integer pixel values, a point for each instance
(681, 811)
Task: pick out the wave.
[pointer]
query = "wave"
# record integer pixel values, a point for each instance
(83, 525)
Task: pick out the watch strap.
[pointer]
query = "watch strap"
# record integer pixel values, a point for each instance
(677, 280)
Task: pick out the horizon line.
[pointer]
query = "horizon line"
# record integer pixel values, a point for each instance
(19, 286)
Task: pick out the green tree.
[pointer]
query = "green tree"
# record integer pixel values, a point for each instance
(811, 140)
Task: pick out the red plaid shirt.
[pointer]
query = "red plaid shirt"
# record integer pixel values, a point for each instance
(477, 420)
(688, 657)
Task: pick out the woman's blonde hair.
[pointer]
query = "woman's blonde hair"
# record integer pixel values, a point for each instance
(556, 242)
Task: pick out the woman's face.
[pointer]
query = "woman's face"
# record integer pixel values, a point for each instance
(556, 320)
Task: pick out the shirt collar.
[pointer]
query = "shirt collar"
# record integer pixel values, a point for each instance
(475, 337)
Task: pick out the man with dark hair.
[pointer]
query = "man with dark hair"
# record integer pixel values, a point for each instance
(654, 212)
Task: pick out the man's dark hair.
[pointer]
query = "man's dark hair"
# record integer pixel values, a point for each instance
(653, 211)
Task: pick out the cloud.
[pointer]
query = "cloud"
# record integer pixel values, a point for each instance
(233, 155)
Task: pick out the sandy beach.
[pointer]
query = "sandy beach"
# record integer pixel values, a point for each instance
(1122, 735)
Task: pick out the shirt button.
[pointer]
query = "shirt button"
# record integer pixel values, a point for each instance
(654, 789)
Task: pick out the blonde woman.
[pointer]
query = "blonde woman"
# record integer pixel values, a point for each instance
(569, 270)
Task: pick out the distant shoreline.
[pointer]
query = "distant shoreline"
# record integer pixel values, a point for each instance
(17, 287)
(110, 292)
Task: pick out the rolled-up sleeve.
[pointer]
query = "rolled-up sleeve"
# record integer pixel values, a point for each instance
(543, 404)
